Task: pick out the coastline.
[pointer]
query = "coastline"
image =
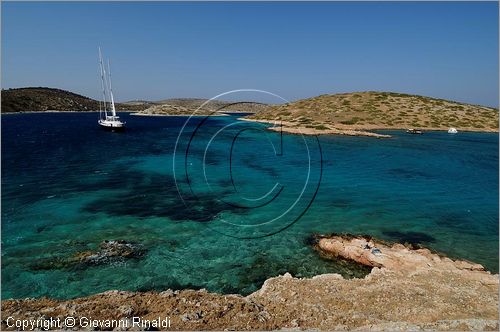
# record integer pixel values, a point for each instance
(394, 295)
(358, 130)
(177, 115)
(54, 111)
(346, 130)
(287, 128)
(118, 111)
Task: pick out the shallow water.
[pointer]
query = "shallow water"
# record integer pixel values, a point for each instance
(67, 185)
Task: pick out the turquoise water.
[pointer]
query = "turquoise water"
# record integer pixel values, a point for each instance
(67, 186)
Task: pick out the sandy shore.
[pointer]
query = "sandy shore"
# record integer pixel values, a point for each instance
(407, 289)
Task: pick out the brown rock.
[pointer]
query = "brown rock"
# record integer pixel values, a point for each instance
(406, 290)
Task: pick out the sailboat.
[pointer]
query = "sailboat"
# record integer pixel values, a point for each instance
(107, 121)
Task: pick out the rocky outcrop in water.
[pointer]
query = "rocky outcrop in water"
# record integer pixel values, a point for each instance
(408, 289)
(111, 251)
(395, 257)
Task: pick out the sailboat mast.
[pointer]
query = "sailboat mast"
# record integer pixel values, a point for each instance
(100, 101)
(101, 66)
(113, 110)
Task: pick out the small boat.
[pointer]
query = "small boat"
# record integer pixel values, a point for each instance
(107, 121)
(452, 130)
(414, 131)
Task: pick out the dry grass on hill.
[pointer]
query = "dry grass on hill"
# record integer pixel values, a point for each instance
(382, 110)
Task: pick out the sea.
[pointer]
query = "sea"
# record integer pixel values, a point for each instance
(223, 204)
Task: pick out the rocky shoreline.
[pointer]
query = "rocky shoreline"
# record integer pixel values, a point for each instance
(346, 130)
(292, 128)
(407, 289)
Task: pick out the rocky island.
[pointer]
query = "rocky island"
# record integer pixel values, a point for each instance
(359, 113)
(407, 289)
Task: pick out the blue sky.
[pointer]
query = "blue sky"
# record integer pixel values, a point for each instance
(296, 50)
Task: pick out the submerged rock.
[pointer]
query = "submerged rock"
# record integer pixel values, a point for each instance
(111, 251)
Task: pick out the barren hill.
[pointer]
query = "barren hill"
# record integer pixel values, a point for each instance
(379, 110)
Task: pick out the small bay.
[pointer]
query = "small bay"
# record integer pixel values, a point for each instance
(67, 186)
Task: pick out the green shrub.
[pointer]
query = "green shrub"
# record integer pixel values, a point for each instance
(352, 121)
(321, 127)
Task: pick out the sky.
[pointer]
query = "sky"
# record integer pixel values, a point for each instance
(296, 50)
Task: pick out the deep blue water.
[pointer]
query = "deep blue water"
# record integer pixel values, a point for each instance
(67, 185)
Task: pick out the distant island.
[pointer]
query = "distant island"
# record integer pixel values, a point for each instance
(359, 112)
(42, 99)
(196, 106)
(356, 113)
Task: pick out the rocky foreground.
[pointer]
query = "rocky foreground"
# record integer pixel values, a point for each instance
(408, 289)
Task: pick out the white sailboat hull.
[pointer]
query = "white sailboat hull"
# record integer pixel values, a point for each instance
(111, 123)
